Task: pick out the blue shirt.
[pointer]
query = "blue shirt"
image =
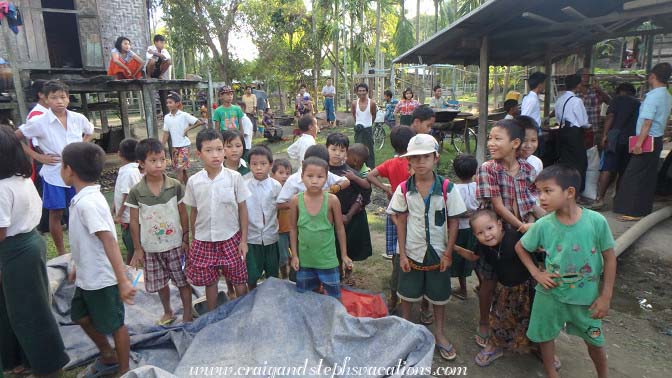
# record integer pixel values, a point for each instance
(656, 107)
(389, 109)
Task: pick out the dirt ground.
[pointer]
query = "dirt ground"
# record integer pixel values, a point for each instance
(639, 338)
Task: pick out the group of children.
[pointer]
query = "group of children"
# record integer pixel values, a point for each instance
(252, 219)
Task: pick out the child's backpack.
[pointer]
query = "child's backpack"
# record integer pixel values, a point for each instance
(446, 188)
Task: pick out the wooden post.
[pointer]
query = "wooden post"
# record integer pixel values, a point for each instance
(12, 54)
(104, 124)
(548, 68)
(211, 99)
(150, 113)
(482, 101)
(123, 113)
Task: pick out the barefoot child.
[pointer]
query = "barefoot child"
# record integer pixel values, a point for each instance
(127, 177)
(234, 148)
(160, 229)
(505, 185)
(263, 256)
(353, 199)
(426, 207)
(314, 215)
(280, 171)
(101, 283)
(54, 130)
(579, 248)
(395, 170)
(28, 329)
(176, 125)
(218, 219)
(510, 312)
(465, 167)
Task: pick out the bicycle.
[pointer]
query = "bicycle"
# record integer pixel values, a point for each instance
(464, 140)
(379, 133)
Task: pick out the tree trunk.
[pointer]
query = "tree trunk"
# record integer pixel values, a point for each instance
(507, 75)
(316, 52)
(417, 22)
(337, 40)
(436, 16)
(379, 63)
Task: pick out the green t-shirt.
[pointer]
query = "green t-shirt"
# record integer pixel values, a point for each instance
(574, 252)
(228, 118)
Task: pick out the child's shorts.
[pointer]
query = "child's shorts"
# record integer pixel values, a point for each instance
(283, 248)
(161, 267)
(549, 316)
(308, 279)
(262, 260)
(431, 284)
(181, 157)
(102, 306)
(206, 260)
(56, 197)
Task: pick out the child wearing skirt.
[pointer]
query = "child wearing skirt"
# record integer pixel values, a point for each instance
(512, 304)
(465, 167)
(29, 336)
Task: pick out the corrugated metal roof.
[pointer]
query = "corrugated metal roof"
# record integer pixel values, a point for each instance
(520, 32)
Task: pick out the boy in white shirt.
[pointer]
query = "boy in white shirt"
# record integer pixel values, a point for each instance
(54, 130)
(263, 255)
(99, 271)
(176, 125)
(158, 59)
(294, 185)
(246, 127)
(218, 219)
(309, 129)
(127, 177)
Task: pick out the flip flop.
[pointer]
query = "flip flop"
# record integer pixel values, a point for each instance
(556, 361)
(426, 318)
(447, 352)
(99, 369)
(480, 338)
(166, 322)
(627, 218)
(490, 357)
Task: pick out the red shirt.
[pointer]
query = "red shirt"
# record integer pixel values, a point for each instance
(395, 170)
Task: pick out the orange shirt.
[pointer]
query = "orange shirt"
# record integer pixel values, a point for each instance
(283, 220)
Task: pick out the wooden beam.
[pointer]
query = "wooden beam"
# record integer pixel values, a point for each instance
(573, 13)
(482, 101)
(150, 112)
(538, 18)
(636, 4)
(123, 114)
(12, 53)
(548, 70)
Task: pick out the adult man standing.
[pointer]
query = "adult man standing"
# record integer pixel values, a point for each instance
(329, 92)
(530, 106)
(592, 97)
(571, 114)
(364, 111)
(262, 99)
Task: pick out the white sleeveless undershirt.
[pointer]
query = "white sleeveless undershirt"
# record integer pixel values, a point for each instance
(364, 118)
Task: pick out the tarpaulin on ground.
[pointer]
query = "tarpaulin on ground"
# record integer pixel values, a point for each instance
(272, 331)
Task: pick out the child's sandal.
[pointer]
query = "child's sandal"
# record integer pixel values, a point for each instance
(484, 358)
(481, 338)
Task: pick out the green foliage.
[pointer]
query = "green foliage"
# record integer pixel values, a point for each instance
(404, 36)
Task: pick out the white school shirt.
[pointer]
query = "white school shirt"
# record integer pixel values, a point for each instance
(217, 203)
(531, 108)
(575, 112)
(175, 124)
(247, 128)
(148, 55)
(294, 185)
(89, 213)
(536, 163)
(20, 205)
(298, 149)
(262, 211)
(468, 194)
(127, 177)
(508, 116)
(53, 137)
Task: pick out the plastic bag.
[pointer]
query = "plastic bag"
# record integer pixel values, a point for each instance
(592, 173)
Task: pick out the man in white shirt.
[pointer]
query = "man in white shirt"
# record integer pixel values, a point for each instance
(364, 112)
(530, 106)
(573, 119)
(329, 92)
(54, 130)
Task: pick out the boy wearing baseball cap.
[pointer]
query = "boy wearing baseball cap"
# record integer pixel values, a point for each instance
(227, 116)
(425, 209)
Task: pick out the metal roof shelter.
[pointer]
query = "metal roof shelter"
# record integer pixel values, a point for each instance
(535, 32)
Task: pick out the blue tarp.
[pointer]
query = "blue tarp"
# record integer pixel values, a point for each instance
(272, 331)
